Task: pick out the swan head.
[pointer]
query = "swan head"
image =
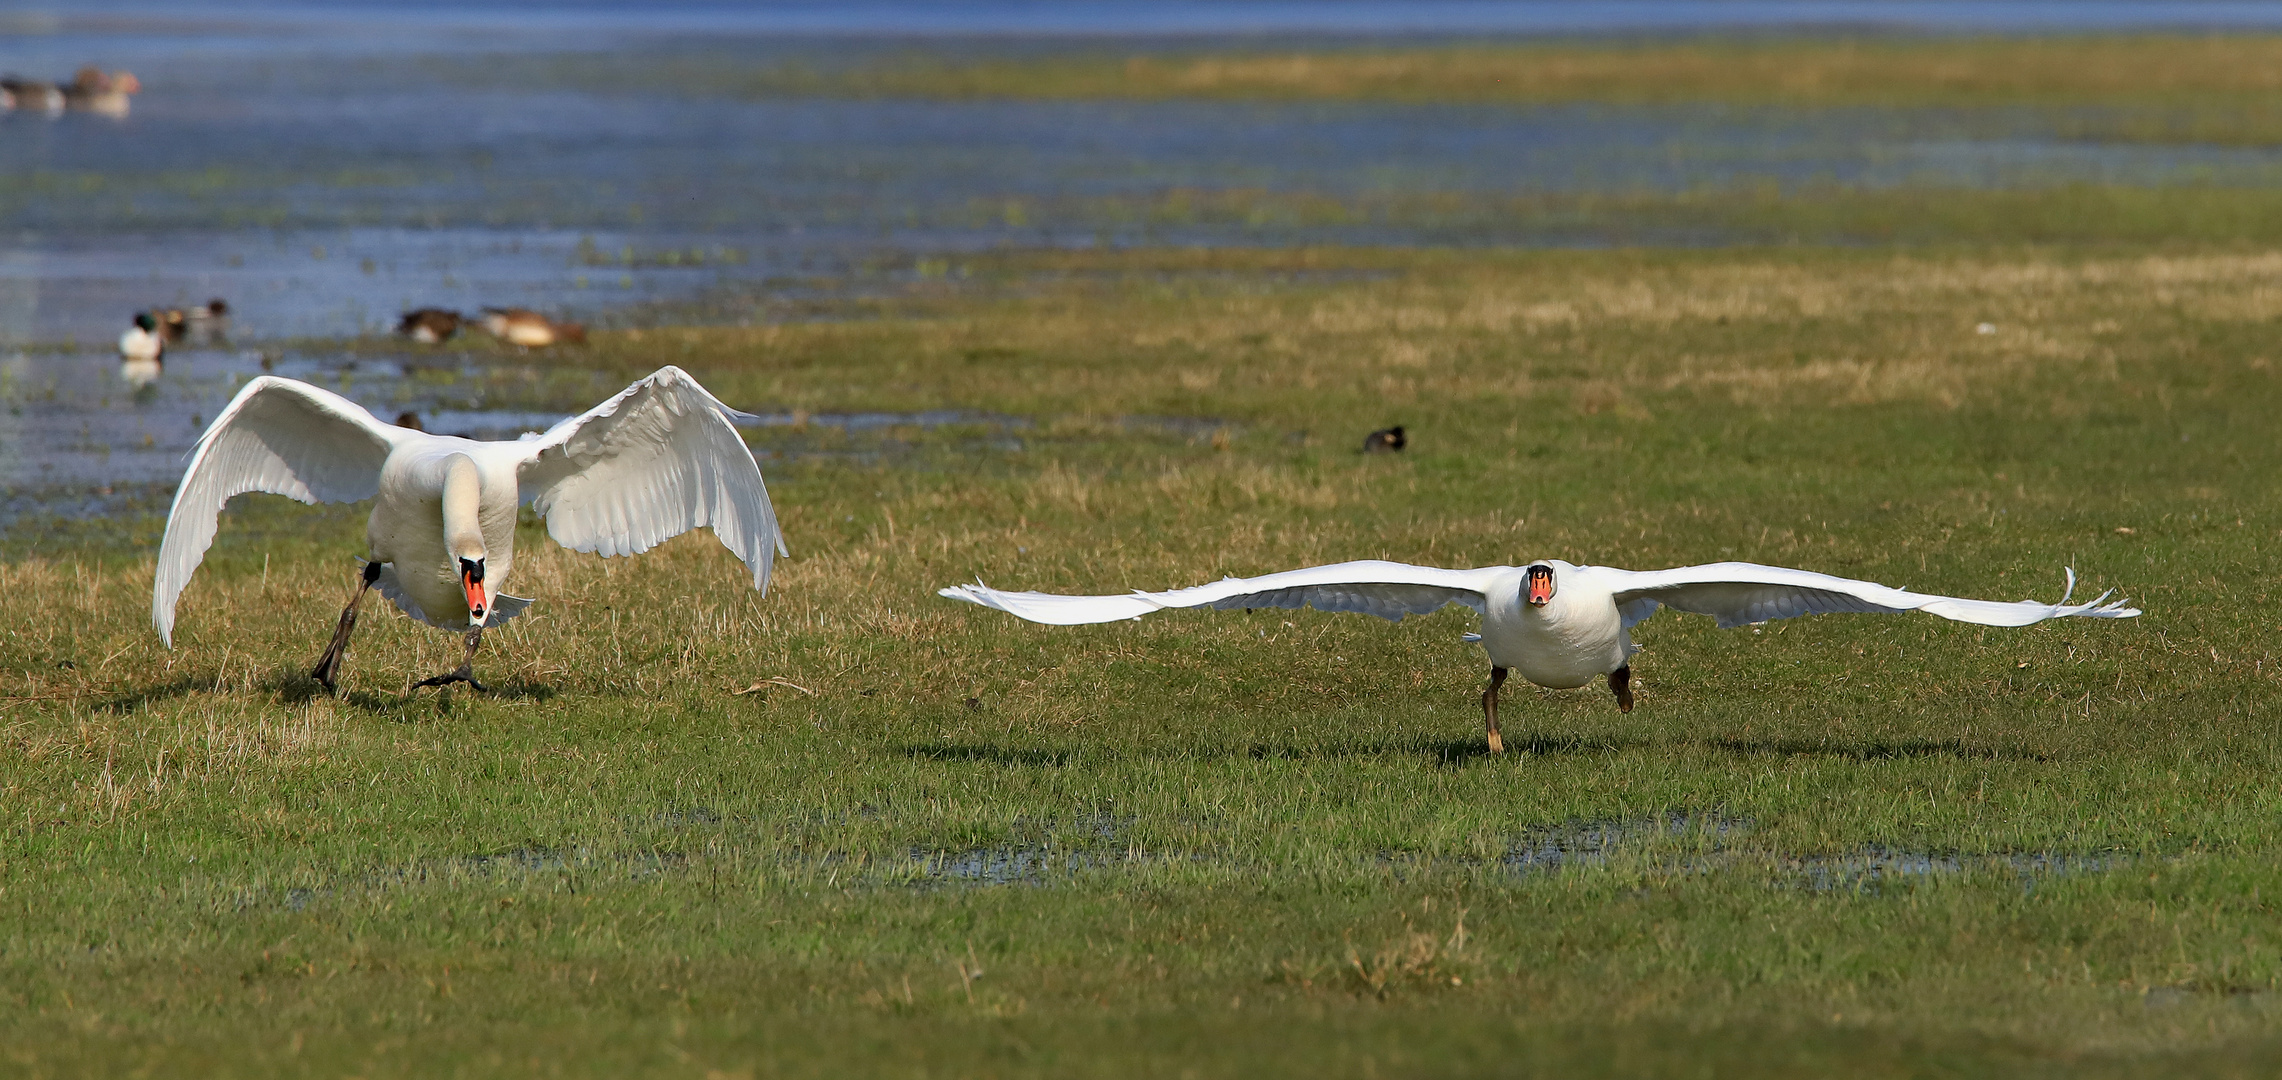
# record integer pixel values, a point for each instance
(471, 579)
(1537, 587)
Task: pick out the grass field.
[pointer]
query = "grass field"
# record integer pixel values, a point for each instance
(1228, 844)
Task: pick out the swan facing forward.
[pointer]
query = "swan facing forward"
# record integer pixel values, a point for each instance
(658, 460)
(1560, 625)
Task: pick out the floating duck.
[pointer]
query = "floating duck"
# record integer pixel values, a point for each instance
(31, 95)
(143, 340)
(1559, 624)
(410, 419)
(96, 91)
(659, 459)
(209, 322)
(430, 326)
(1385, 441)
(530, 329)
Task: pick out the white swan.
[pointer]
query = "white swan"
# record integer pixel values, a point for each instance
(1559, 624)
(652, 463)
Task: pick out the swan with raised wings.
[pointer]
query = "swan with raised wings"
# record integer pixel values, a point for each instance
(658, 460)
(1560, 625)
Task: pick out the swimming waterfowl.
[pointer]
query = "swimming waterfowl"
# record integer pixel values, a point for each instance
(94, 90)
(1559, 624)
(517, 326)
(209, 322)
(659, 459)
(31, 94)
(144, 340)
(430, 326)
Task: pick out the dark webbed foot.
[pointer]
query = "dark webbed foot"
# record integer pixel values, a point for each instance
(1620, 684)
(463, 673)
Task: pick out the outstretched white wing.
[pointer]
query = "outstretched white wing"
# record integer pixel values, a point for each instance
(279, 436)
(1389, 590)
(1738, 593)
(654, 462)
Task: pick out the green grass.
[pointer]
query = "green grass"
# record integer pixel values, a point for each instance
(1269, 843)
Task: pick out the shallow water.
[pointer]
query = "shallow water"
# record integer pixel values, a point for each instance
(324, 169)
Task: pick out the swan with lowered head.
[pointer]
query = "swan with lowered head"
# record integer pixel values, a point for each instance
(658, 460)
(1560, 625)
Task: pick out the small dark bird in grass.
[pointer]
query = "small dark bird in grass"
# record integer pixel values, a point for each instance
(430, 326)
(1386, 442)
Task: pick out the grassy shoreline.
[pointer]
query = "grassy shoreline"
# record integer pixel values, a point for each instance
(2161, 88)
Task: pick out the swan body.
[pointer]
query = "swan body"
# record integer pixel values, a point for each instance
(1559, 624)
(657, 460)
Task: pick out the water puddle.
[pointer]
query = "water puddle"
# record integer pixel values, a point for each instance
(1869, 870)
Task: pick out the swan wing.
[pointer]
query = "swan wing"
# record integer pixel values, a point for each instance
(1389, 590)
(277, 436)
(656, 461)
(1738, 593)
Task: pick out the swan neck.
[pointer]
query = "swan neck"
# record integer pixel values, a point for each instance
(463, 508)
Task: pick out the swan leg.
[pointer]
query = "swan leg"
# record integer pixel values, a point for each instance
(1620, 684)
(463, 673)
(1490, 709)
(328, 667)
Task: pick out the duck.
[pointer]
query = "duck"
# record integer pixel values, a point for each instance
(430, 326)
(1559, 624)
(144, 340)
(30, 94)
(660, 458)
(530, 329)
(208, 322)
(97, 91)
(1384, 441)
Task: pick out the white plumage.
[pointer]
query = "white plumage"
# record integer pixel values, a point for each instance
(1579, 628)
(659, 459)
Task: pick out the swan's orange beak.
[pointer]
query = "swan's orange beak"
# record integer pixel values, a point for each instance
(1540, 586)
(471, 579)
